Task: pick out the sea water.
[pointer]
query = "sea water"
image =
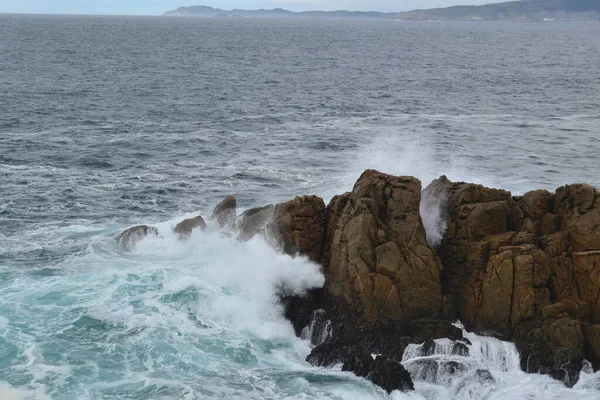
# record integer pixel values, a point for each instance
(107, 122)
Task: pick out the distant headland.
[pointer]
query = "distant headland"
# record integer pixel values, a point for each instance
(204, 11)
(515, 11)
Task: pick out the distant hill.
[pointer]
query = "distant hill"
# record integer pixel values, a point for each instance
(204, 11)
(524, 10)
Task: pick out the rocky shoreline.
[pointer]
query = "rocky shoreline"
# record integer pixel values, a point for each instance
(519, 268)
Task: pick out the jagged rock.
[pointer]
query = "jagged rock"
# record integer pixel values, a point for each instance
(299, 310)
(327, 354)
(355, 358)
(358, 360)
(185, 227)
(525, 269)
(254, 221)
(225, 212)
(390, 375)
(129, 237)
(381, 267)
(299, 226)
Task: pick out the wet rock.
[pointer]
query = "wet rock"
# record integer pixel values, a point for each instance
(131, 236)
(460, 349)
(319, 328)
(357, 360)
(225, 212)
(184, 228)
(436, 371)
(327, 354)
(390, 375)
(299, 310)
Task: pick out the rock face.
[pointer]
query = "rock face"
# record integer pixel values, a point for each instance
(225, 212)
(184, 228)
(131, 236)
(380, 268)
(299, 226)
(526, 269)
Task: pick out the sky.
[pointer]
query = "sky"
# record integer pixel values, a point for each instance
(157, 7)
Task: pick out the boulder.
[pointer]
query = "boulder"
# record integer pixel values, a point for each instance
(184, 228)
(390, 375)
(225, 212)
(131, 236)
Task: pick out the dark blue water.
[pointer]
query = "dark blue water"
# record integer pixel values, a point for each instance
(111, 121)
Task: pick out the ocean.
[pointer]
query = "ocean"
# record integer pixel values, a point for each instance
(108, 122)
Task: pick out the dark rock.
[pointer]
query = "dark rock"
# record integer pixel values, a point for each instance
(319, 328)
(390, 375)
(225, 212)
(357, 360)
(185, 227)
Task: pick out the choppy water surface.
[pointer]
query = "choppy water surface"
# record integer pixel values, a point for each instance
(111, 121)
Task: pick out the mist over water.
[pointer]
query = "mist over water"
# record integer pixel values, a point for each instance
(109, 122)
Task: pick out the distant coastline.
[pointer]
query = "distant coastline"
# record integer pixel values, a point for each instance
(512, 11)
(204, 11)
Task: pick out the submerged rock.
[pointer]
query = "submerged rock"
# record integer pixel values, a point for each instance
(184, 228)
(131, 236)
(225, 212)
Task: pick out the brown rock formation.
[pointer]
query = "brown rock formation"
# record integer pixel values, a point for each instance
(526, 269)
(254, 221)
(380, 267)
(131, 236)
(298, 226)
(225, 212)
(184, 228)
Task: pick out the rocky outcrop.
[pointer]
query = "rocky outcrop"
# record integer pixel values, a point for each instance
(380, 270)
(225, 212)
(526, 269)
(131, 236)
(521, 268)
(184, 228)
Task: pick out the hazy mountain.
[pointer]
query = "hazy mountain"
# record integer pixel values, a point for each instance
(204, 11)
(525, 10)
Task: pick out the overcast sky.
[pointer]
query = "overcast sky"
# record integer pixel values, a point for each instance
(156, 7)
